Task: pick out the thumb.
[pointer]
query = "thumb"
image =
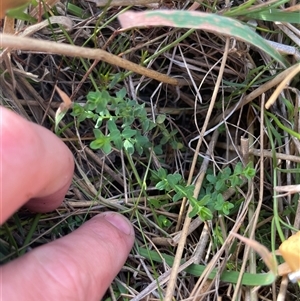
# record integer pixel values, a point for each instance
(77, 267)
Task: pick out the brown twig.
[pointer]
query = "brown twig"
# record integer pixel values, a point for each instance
(22, 43)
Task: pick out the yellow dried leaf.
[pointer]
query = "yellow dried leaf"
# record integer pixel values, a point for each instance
(290, 251)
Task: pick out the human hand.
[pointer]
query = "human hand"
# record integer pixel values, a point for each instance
(36, 165)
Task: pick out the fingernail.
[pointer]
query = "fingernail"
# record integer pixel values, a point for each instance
(119, 221)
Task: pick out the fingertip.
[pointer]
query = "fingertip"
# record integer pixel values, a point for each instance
(35, 165)
(50, 202)
(118, 221)
(80, 265)
(113, 227)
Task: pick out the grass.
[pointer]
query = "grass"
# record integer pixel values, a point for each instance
(148, 144)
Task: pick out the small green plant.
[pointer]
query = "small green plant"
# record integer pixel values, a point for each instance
(216, 185)
(174, 185)
(127, 127)
(104, 108)
(127, 124)
(210, 199)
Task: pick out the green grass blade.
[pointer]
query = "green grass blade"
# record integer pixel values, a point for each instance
(286, 129)
(199, 20)
(31, 231)
(275, 15)
(227, 276)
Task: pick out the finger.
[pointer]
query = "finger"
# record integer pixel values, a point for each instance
(35, 164)
(78, 267)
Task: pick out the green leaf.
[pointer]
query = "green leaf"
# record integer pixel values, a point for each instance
(18, 13)
(128, 133)
(121, 94)
(205, 200)
(92, 100)
(275, 15)
(160, 118)
(226, 208)
(176, 145)
(235, 181)
(162, 173)
(115, 134)
(238, 169)
(158, 149)
(164, 221)
(219, 202)
(77, 110)
(112, 127)
(102, 102)
(156, 203)
(77, 11)
(142, 142)
(98, 134)
(101, 142)
(128, 147)
(226, 172)
(205, 214)
(162, 185)
(226, 276)
(115, 80)
(177, 196)
(145, 125)
(98, 122)
(194, 211)
(249, 171)
(106, 148)
(128, 120)
(190, 190)
(209, 22)
(97, 144)
(174, 179)
(211, 179)
(220, 185)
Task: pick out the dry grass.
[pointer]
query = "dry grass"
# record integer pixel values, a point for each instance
(222, 85)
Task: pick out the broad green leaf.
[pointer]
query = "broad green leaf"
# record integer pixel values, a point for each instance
(162, 173)
(235, 181)
(238, 168)
(121, 94)
(162, 185)
(77, 11)
(288, 130)
(211, 178)
(178, 196)
(205, 200)
(173, 179)
(160, 118)
(164, 221)
(205, 214)
(226, 276)
(220, 185)
(98, 134)
(206, 21)
(275, 15)
(106, 148)
(226, 207)
(128, 147)
(194, 211)
(128, 133)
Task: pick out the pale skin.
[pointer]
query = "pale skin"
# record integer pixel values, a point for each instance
(36, 169)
